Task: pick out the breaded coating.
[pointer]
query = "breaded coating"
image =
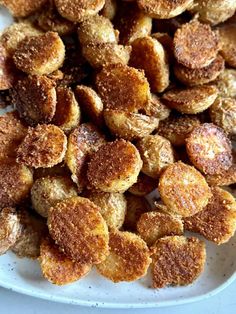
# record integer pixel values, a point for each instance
(217, 221)
(136, 206)
(9, 228)
(183, 189)
(177, 128)
(228, 43)
(15, 183)
(156, 153)
(23, 8)
(177, 261)
(209, 149)
(155, 108)
(90, 103)
(7, 70)
(155, 225)
(128, 259)
(149, 55)
(43, 147)
(143, 186)
(79, 229)
(128, 125)
(56, 267)
(55, 171)
(46, 192)
(195, 45)
(78, 10)
(109, 10)
(12, 132)
(67, 115)
(224, 178)
(164, 9)
(193, 77)
(112, 206)
(226, 83)
(191, 100)
(114, 167)
(40, 54)
(82, 142)
(35, 99)
(122, 87)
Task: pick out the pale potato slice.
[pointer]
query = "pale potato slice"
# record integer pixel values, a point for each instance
(155, 108)
(35, 99)
(23, 8)
(226, 83)
(40, 54)
(9, 228)
(112, 206)
(143, 186)
(43, 146)
(56, 267)
(209, 149)
(109, 10)
(15, 183)
(195, 45)
(128, 259)
(78, 10)
(129, 125)
(77, 226)
(46, 192)
(155, 225)
(114, 167)
(149, 55)
(183, 189)
(122, 87)
(191, 100)
(7, 70)
(217, 221)
(156, 153)
(228, 43)
(177, 261)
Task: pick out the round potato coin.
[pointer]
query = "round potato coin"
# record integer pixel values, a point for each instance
(156, 109)
(77, 226)
(228, 43)
(23, 8)
(143, 186)
(225, 178)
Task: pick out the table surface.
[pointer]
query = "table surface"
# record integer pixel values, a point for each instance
(11, 303)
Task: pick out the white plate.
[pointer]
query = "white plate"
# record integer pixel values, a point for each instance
(24, 276)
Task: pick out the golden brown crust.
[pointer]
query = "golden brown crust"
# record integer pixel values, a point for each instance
(79, 229)
(177, 261)
(23, 8)
(128, 259)
(143, 186)
(57, 267)
(35, 99)
(7, 70)
(224, 178)
(40, 54)
(155, 108)
(195, 45)
(183, 189)
(114, 167)
(226, 83)
(228, 43)
(43, 146)
(217, 221)
(209, 149)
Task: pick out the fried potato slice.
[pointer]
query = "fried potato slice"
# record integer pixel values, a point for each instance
(15, 184)
(9, 228)
(155, 108)
(228, 43)
(226, 83)
(183, 189)
(225, 178)
(109, 10)
(40, 54)
(209, 149)
(193, 77)
(35, 99)
(177, 128)
(23, 8)
(195, 45)
(164, 9)
(217, 221)
(223, 114)
(57, 267)
(191, 100)
(67, 115)
(46, 192)
(78, 10)
(128, 125)
(82, 142)
(122, 87)
(155, 225)
(156, 153)
(128, 259)
(12, 132)
(177, 260)
(112, 206)
(79, 229)
(7, 70)
(43, 147)
(143, 186)
(114, 167)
